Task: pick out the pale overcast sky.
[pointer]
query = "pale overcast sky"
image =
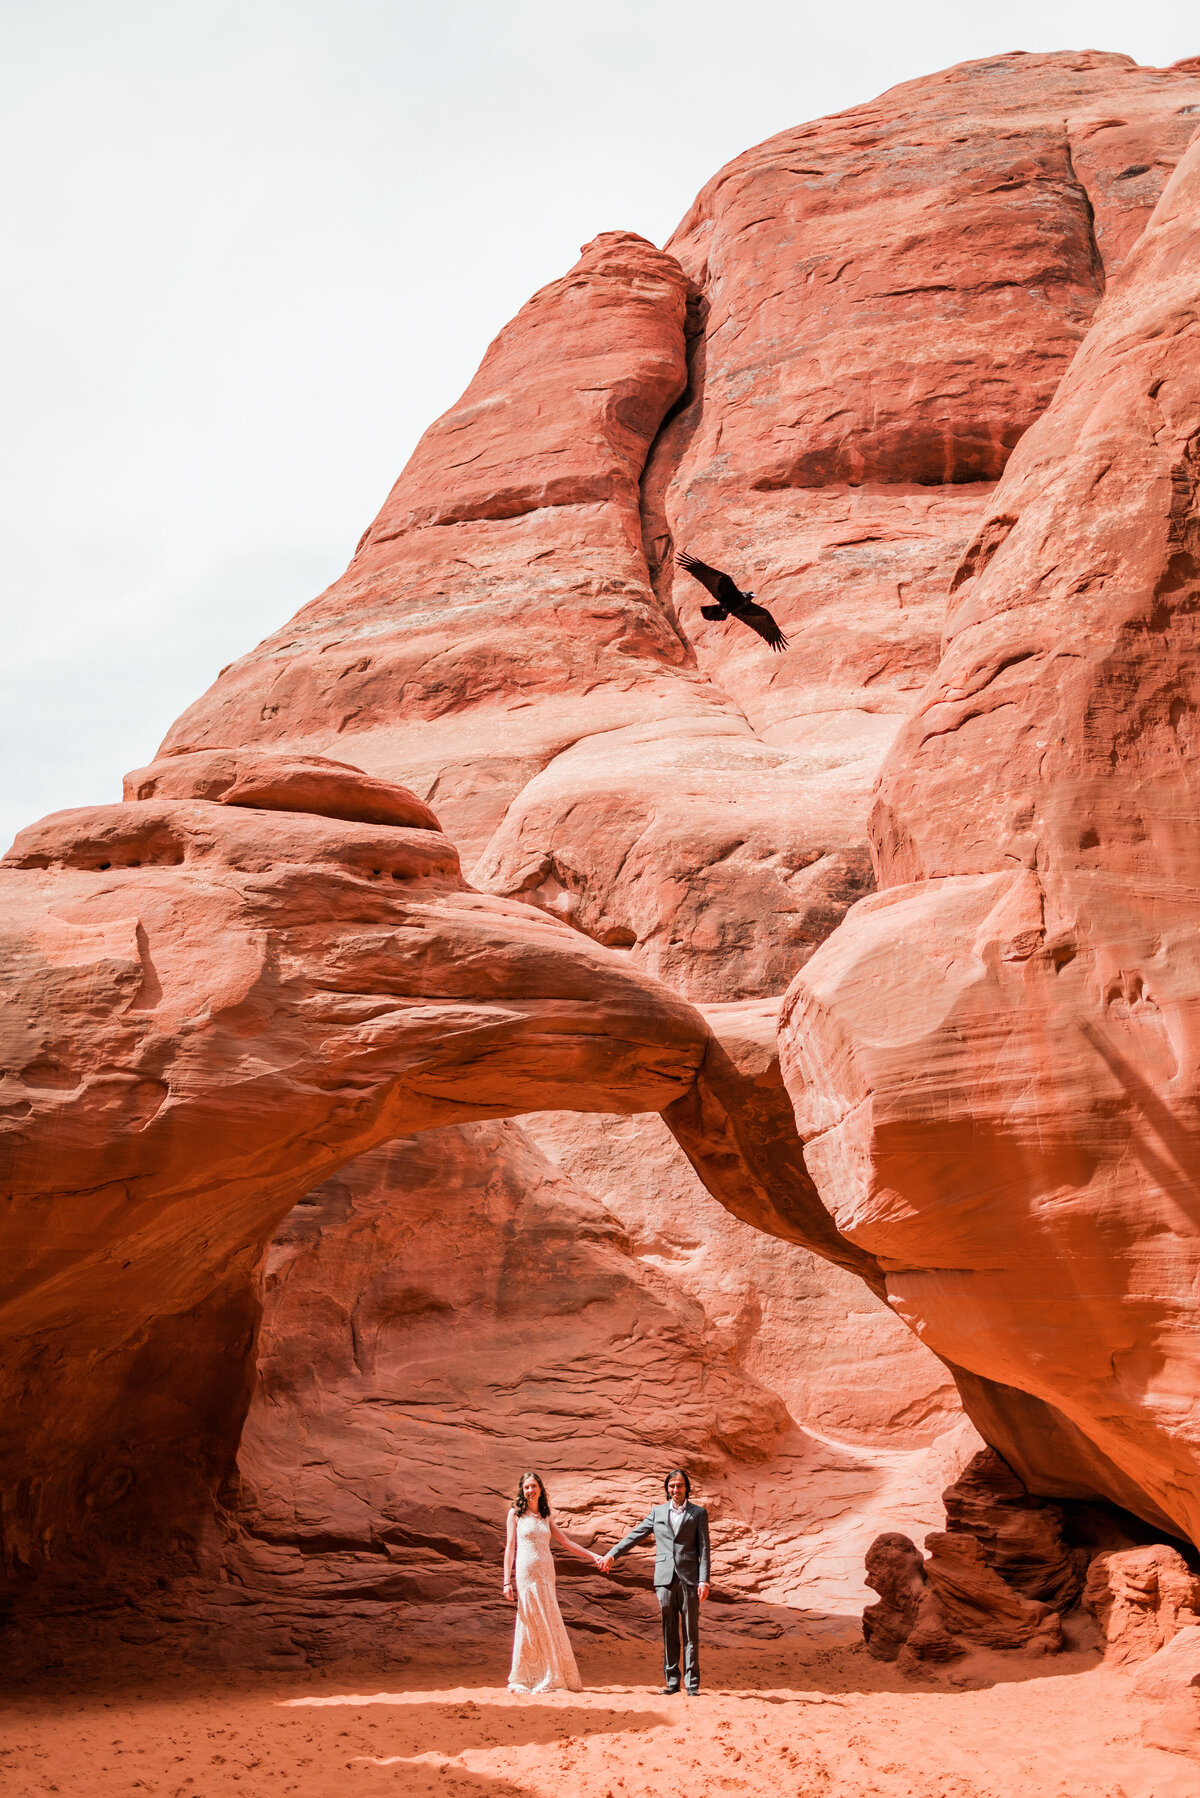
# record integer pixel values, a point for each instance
(255, 246)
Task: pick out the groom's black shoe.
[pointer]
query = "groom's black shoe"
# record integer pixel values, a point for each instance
(693, 1691)
(670, 1688)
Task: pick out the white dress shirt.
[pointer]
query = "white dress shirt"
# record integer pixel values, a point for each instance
(676, 1517)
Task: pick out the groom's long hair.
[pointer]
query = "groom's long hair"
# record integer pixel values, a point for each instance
(677, 1473)
(520, 1506)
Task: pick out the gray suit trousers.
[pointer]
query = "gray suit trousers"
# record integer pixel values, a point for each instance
(680, 1606)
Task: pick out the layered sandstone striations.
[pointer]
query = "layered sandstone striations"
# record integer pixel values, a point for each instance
(1019, 1536)
(1000, 1575)
(213, 1001)
(649, 835)
(814, 386)
(887, 300)
(455, 1307)
(1142, 1599)
(994, 1060)
(235, 987)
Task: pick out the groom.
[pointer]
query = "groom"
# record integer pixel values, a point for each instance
(680, 1531)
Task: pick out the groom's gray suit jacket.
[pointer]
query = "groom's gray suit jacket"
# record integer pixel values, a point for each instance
(685, 1554)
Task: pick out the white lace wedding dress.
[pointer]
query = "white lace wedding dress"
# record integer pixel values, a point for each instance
(542, 1659)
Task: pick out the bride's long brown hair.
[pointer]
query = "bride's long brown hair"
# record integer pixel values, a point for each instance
(520, 1504)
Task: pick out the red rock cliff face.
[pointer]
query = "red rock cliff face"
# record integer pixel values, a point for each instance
(898, 293)
(457, 1306)
(994, 1060)
(874, 307)
(498, 608)
(210, 1005)
(264, 966)
(887, 301)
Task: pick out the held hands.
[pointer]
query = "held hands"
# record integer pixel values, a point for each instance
(604, 1563)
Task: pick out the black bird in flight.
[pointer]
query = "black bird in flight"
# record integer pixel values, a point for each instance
(731, 601)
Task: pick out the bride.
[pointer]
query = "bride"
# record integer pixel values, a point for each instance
(542, 1659)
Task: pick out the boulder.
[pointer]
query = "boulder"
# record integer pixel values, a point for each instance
(978, 1606)
(1172, 1668)
(1141, 1598)
(281, 783)
(937, 1609)
(1020, 1536)
(907, 1623)
(974, 1588)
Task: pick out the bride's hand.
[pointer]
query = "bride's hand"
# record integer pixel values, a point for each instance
(509, 1593)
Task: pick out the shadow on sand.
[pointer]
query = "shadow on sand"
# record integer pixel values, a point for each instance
(785, 1654)
(413, 1754)
(451, 1726)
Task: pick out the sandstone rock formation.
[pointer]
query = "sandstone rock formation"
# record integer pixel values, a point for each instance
(311, 784)
(455, 1306)
(992, 1060)
(1141, 1599)
(898, 289)
(907, 1623)
(979, 1607)
(235, 987)
(998, 1576)
(1172, 1668)
(437, 1318)
(498, 608)
(1019, 1536)
(212, 1003)
(890, 298)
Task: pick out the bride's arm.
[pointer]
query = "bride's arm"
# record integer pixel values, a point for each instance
(585, 1554)
(510, 1554)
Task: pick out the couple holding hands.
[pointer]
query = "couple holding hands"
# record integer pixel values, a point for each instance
(542, 1658)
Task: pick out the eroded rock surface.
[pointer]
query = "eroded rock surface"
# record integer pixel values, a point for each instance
(216, 998)
(939, 278)
(980, 1607)
(998, 1576)
(993, 1060)
(498, 609)
(1172, 1668)
(1020, 1536)
(814, 385)
(1141, 1599)
(455, 1307)
(891, 297)
(208, 1006)
(907, 1622)
(267, 962)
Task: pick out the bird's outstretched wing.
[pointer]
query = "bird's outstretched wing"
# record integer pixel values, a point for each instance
(760, 620)
(721, 586)
(731, 601)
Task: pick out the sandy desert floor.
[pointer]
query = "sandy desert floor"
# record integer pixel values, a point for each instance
(819, 1720)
